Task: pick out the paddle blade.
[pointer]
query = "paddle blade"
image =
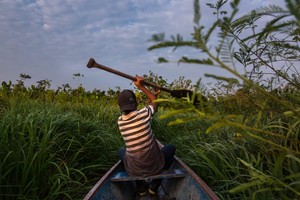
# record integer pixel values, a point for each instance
(181, 93)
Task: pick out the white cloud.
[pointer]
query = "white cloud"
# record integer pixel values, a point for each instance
(53, 39)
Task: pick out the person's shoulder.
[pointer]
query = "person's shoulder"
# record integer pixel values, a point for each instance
(148, 108)
(119, 118)
(152, 107)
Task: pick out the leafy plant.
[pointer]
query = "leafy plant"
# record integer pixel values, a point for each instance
(251, 110)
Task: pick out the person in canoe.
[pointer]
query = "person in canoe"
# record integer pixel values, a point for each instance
(143, 155)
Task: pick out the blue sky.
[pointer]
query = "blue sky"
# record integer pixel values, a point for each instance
(54, 39)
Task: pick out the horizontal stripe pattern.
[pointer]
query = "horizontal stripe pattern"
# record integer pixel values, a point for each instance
(136, 129)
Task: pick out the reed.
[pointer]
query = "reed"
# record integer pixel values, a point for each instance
(59, 149)
(52, 151)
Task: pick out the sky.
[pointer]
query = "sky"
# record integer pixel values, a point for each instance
(54, 39)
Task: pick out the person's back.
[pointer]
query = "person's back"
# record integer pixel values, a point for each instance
(144, 155)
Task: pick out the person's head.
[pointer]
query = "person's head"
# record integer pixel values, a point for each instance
(127, 101)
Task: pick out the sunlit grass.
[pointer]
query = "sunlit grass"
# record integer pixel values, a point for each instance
(60, 149)
(51, 151)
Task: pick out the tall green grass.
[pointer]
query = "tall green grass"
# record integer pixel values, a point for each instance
(58, 149)
(251, 155)
(54, 151)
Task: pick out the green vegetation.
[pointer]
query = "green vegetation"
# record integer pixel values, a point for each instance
(52, 150)
(259, 108)
(56, 145)
(242, 140)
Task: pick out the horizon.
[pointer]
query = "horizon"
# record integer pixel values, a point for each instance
(52, 40)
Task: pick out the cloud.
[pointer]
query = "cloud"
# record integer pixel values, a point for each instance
(54, 39)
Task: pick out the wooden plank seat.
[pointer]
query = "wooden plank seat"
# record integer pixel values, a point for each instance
(172, 173)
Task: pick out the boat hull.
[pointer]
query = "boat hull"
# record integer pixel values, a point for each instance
(187, 186)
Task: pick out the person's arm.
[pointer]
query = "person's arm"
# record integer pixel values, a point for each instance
(139, 84)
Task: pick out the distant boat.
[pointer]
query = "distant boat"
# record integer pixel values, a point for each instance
(179, 183)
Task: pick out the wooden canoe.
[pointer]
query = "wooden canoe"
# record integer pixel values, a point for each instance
(179, 183)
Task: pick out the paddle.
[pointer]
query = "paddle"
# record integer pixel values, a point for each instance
(175, 93)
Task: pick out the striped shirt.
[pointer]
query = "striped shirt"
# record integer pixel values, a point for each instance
(143, 155)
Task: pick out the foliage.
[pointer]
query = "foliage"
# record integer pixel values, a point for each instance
(243, 140)
(247, 105)
(54, 150)
(55, 144)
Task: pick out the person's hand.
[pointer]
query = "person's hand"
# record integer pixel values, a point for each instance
(139, 81)
(155, 91)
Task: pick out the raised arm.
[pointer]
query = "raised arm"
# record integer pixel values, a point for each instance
(139, 84)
